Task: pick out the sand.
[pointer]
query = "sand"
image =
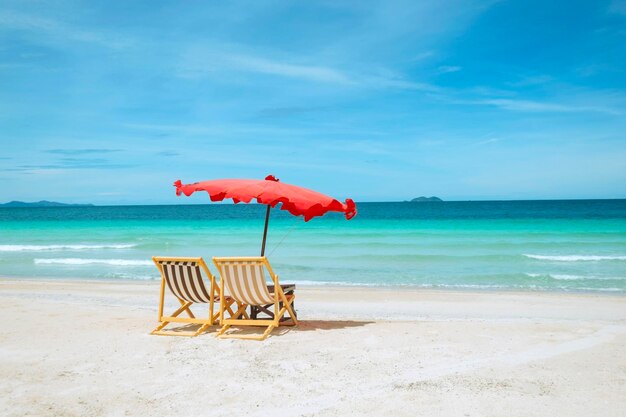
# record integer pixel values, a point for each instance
(80, 348)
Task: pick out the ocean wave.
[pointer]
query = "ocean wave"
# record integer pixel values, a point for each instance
(32, 248)
(458, 286)
(567, 277)
(312, 283)
(133, 277)
(308, 283)
(80, 261)
(576, 258)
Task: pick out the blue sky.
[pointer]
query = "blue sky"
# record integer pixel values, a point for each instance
(111, 101)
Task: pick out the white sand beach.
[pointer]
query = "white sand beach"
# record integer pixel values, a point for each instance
(81, 348)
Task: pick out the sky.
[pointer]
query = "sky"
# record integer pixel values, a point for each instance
(110, 102)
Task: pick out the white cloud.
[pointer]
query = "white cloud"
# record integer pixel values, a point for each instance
(306, 72)
(542, 107)
(532, 80)
(444, 69)
(487, 141)
(212, 130)
(53, 30)
(202, 62)
(394, 82)
(422, 56)
(618, 6)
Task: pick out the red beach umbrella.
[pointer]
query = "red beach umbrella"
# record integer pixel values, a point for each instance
(296, 200)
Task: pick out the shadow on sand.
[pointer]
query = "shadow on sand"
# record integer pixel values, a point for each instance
(303, 326)
(308, 325)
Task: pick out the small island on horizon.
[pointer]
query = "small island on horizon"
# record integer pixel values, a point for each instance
(423, 199)
(42, 203)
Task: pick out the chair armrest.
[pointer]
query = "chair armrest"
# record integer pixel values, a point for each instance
(287, 288)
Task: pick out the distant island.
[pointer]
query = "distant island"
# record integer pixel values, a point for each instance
(425, 199)
(42, 203)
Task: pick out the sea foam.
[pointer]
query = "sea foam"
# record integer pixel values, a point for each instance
(576, 258)
(33, 248)
(569, 277)
(80, 261)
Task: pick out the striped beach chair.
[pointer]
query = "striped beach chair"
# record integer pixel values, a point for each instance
(183, 278)
(244, 280)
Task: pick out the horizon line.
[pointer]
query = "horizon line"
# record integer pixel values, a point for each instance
(3, 205)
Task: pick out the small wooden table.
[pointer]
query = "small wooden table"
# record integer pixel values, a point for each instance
(288, 289)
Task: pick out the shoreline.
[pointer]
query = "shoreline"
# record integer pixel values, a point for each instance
(358, 286)
(383, 303)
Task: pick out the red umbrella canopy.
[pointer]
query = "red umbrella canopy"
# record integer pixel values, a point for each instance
(296, 200)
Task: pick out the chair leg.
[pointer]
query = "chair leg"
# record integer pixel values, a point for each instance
(285, 306)
(265, 309)
(216, 316)
(183, 308)
(222, 330)
(202, 329)
(244, 313)
(159, 327)
(267, 332)
(240, 311)
(230, 310)
(264, 336)
(288, 306)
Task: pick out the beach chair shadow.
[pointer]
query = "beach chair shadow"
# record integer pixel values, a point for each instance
(311, 325)
(303, 326)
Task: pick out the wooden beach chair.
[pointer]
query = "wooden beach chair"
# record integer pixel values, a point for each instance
(244, 280)
(183, 278)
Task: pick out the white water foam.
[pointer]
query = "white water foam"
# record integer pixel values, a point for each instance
(566, 277)
(32, 248)
(577, 277)
(576, 258)
(130, 276)
(311, 283)
(80, 261)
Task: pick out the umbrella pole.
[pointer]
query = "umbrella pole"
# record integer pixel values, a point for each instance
(267, 220)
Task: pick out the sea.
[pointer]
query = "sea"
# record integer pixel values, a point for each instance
(568, 245)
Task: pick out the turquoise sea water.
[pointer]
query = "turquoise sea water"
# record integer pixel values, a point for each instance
(533, 245)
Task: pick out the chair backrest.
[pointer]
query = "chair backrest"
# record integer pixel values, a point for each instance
(244, 279)
(184, 278)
